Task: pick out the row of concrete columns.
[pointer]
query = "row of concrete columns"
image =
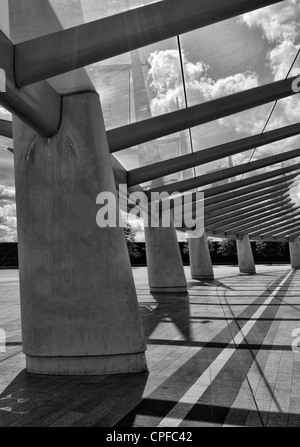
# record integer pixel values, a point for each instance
(200, 261)
(79, 306)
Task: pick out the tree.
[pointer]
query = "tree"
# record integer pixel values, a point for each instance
(270, 250)
(211, 246)
(185, 248)
(130, 239)
(227, 248)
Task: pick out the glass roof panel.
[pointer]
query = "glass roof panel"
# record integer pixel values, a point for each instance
(228, 57)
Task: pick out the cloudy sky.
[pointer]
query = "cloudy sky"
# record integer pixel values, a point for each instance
(219, 60)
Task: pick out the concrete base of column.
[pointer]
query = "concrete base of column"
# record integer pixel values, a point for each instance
(79, 307)
(295, 254)
(164, 262)
(200, 260)
(79, 366)
(245, 256)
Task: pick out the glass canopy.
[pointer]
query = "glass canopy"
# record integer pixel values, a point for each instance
(229, 57)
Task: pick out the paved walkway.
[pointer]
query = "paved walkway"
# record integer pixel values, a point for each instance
(218, 356)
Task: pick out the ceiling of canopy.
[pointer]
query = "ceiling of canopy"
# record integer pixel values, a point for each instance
(218, 60)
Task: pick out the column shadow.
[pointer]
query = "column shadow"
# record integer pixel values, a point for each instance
(175, 307)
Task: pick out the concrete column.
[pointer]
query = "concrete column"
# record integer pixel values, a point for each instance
(200, 260)
(295, 253)
(245, 256)
(78, 301)
(164, 262)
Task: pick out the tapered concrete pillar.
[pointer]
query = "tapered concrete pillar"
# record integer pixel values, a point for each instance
(295, 253)
(78, 301)
(245, 256)
(164, 262)
(200, 260)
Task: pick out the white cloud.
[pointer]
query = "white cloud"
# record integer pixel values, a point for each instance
(4, 113)
(8, 223)
(278, 22)
(7, 192)
(249, 122)
(165, 78)
(229, 85)
(280, 60)
(280, 26)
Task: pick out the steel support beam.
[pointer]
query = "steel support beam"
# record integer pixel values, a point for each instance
(6, 128)
(285, 229)
(221, 199)
(267, 212)
(270, 239)
(224, 174)
(37, 105)
(241, 235)
(260, 230)
(255, 180)
(294, 235)
(274, 230)
(63, 51)
(260, 205)
(170, 123)
(271, 227)
(249, 225)
(244, 192)
(237, 208)
(243, 203)
(167, 167)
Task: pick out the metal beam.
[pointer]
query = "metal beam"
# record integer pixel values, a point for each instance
(255, 180)
(266, 212)
(285, 228)
(177, 164)
(249, 224)
(224, 174)
(216, 198)
(83, 45)
(240, 193)
(229, 200)
(241, 235)
(6, 128)
(294, 235)
(170, 123)
(260, 205)
(239, 216)
(270, 239)
(270, 227)
(244, 202)
(38, 105)
(261, 229)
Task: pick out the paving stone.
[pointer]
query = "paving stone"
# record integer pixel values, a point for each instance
(191, 359)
